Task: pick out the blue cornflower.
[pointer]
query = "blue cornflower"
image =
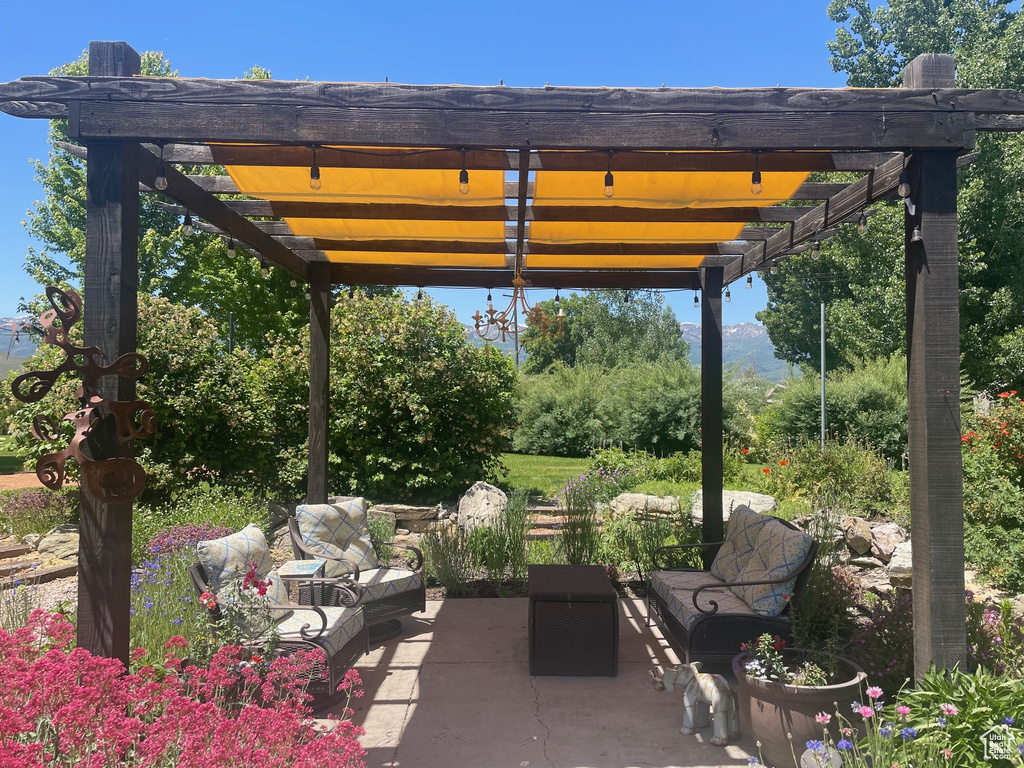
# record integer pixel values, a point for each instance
(1020, 747)
(1008, 721)
(885, 731)
(855, 706)
(148, 604)
(176, 621)
(844, 744)
(941, 721)
(908, 733)
(753, 761)
(815, 746)
(17, 582)
(879, 706)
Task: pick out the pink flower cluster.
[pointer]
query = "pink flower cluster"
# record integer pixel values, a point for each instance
(62, 706)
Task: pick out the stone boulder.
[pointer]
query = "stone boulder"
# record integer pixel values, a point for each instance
(481, 506)
(758, 502)
(901, 566)
(884, 538)
(857, 534)
(61, 542)
(32, 539)
(642, 503)
(416, 519)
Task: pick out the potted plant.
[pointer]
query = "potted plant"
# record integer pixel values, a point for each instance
(783, 694)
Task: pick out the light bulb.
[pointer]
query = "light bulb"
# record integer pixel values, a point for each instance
(307, 294)
(816, 250)
(774, 268)
(755, 182)
(419, 295)
(264, 270)
(696, 299)
(314, 177)
(903, 190)
(728, 296)
(231, 248)
(463, 182)
(916, 237)
(161, 177)
(609, 185)
(862, 223)
(750, 282)
(293, 282)
(186, 225)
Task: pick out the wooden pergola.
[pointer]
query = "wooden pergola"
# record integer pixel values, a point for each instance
(533, 154)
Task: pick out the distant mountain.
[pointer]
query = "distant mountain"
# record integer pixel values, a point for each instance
(508, 347)
(22, 345)
(745, 345)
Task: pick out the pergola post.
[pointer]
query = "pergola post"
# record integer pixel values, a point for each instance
(110, 317)
(319, 379)
(711, 406)
(933, 392)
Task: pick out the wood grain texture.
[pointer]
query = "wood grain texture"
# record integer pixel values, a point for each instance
(711, 396)
(110, 316)
(319, 381)
(351, 274)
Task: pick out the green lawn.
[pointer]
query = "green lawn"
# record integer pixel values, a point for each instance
(540, 475)
(10, 461)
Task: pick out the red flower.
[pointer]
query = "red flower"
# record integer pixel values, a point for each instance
(767, 471)
(744, 450)
(783, 463)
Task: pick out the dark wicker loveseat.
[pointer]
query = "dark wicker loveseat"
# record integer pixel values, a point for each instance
(759, 572)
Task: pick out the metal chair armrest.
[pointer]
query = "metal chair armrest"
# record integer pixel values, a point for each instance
(303, 630)
(418, 561)
(726, 585)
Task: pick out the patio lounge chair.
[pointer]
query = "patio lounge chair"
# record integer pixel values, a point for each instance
(340, 632)
(759, 572)
(338, 533)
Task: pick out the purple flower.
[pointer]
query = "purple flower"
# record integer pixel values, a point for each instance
(815, 746)
(941, 721)
(844, 744)
(1008, 721)
(908, 734)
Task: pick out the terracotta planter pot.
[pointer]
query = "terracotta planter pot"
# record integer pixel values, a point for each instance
(769, 710)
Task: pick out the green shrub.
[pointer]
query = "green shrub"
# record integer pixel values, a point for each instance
(580, 534)
(846, 475)
(630, 540)
(501, 548)
(562, 412)
(867, 404)
(382, 530)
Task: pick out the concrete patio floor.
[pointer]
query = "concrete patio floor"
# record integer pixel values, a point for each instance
(454, 690)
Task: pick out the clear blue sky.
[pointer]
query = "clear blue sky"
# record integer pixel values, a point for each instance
(727, 43)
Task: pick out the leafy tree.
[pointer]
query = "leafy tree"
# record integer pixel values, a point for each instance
(192, 270)
(211, 423)
(416, 410)
(609, 328)
(862, 280)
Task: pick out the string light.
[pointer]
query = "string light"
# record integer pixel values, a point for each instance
(774, 269)
(419, 295)
(609, 179)
(816, 250)
(186, 226)
(160, 182)
(307, 294)
(862, 223)
(755, 177)
(559, 312)
(231, 248)
(314, 171)
(293, 282)
(728, 296)
(696, 299)
(750, 282)
(916, 236)
(264, 269)
(463, 177)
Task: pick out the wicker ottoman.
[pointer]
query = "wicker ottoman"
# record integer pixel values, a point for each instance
(574, 621)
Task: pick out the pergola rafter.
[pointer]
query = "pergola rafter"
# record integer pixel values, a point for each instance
(689, 163)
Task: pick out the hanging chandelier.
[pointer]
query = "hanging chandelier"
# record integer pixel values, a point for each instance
(493, 325)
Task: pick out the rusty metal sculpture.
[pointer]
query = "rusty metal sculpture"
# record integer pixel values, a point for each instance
(112, 480)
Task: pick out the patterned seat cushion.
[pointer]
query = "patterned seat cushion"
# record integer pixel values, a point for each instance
(379, 583)
(778, 554)
(676, 590)
(744, 527)
(338, 530)
(342, 625)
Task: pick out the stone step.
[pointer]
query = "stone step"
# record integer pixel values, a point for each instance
(542, 533)
(14, 550)
(43, 575)
(546, 521)
(9, 566)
